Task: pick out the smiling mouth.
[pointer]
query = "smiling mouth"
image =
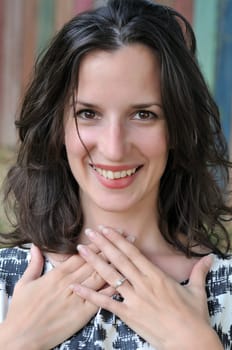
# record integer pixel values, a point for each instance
(114, 175)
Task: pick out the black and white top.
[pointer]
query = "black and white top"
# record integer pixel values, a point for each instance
(106, 331)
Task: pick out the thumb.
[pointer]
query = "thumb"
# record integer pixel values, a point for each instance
(35, 267)
(200, 270)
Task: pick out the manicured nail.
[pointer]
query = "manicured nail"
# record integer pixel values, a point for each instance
(90, 233)
(119, 230)
(130, 238)
(32, 252)
(210, 260)
(82, 249)
(104, 229)
(32, 249)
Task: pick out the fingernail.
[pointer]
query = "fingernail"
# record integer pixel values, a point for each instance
(103, 229)
(32, 248)
(130, 238)
(90, 233)
(210, 260)
(32, 251)
(82, 249)
(119, 230)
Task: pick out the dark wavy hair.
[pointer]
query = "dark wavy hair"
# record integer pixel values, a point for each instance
(192, 198)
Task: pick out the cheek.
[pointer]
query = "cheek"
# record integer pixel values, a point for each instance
(75, 142)
(155, 144)
(72, 142)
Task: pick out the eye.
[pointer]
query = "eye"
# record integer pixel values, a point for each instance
(87, 114)
(145, 115)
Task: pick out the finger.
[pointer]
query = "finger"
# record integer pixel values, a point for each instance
(86, 272)
(94, 281)
(76, 270)
(200, 270)
(108, 291)
(75, 262)
(106, 230)
(105, 270)
(97, 283)
(88, 276)
(122, 254)
(35, 267)
(115, 255)
(101, 299)
(144, 265)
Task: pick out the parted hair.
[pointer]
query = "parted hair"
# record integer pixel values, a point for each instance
(40, 188)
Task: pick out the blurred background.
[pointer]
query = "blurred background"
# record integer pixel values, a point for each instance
(26, 26)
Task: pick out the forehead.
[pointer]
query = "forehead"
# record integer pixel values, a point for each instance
(129, 69)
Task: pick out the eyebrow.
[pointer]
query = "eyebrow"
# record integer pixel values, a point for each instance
(136, 106)
(146, 105)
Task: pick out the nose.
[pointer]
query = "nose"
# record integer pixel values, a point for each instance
(113, 141)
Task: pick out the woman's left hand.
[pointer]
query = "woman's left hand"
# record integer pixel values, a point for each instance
(162, 311)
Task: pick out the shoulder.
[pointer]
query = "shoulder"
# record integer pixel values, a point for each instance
(220, 262)
(15, 252)
(13, 263)
(219, 278)
(13, 257)
(219, 295)
(221, 270)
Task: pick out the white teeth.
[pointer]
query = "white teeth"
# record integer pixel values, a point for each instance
(108, 174)
(123, 173)
(117, 175)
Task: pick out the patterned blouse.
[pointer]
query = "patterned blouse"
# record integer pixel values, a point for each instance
(106, 331)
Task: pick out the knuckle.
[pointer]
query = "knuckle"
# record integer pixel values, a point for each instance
(96, 277)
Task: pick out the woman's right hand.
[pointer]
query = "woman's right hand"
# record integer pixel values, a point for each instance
(44, 311)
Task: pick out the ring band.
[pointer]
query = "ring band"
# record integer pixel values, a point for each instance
(119, 282)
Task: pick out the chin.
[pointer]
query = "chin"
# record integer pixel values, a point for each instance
(115, 207)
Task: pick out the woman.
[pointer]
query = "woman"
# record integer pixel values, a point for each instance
(122, 158)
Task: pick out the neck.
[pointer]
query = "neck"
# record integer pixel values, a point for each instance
(143, 224)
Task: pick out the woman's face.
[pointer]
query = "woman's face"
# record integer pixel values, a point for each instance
(122, 124)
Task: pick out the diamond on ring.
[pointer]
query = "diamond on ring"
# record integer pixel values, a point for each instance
(119, 282)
